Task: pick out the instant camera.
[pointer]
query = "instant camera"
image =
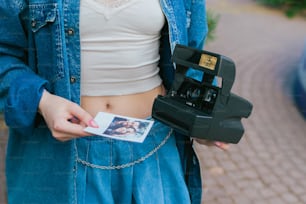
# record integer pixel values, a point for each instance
(205, 108)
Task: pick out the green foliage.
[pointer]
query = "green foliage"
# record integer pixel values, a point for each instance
(212, 21)
(291, 7)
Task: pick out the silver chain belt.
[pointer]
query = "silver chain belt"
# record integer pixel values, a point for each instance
(122, 166)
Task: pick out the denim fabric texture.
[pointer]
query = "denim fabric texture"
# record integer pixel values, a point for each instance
(114, 171)
(40, 49)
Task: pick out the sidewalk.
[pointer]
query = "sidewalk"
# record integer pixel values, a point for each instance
(268, 166)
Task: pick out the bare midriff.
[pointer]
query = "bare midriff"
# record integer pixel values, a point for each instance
(137, 105)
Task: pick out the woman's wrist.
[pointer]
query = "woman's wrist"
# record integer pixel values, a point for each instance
(42, 101)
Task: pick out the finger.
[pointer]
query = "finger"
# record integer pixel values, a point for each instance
(204, 142)
(63, 138)
(74, 120)
(83, 116)
(64, 128)
(222, 145)
(77, 121)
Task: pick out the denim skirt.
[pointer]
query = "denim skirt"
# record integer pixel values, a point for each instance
(119, 172)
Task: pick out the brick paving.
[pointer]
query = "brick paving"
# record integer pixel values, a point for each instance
(268, 166)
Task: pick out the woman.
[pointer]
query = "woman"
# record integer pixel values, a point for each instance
(62, 62)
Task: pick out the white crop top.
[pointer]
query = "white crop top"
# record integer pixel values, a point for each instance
(119, 46)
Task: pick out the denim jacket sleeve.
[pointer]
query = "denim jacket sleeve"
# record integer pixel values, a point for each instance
(197, 29)
(20, 87)
(197, 23)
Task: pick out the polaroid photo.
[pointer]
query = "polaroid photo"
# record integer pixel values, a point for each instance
(121, 127)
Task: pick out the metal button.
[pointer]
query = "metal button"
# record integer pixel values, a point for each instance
(73, 79)
(70, 31)
(33, 23)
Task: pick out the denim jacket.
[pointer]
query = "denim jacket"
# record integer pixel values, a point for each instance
(40, 49)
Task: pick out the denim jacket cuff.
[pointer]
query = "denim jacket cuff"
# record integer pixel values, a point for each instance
(23, 100)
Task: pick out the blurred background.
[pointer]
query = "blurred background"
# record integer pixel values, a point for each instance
(266, 39)
(267, 43)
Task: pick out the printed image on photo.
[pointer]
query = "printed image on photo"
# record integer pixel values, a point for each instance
(121, 127)
(125, 127)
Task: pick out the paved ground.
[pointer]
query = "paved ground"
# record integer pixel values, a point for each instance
(268, 166)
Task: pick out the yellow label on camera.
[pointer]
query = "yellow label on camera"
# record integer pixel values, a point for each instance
(208, 61)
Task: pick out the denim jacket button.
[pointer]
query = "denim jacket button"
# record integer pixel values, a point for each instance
(33, 23)
(73, 79)
(70, 31)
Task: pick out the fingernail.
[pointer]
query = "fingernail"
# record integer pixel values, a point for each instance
(219, 144)
(93, 124)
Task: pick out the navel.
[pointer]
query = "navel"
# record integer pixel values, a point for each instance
(108, 106)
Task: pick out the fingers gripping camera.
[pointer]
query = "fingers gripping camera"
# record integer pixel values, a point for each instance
(203, 109)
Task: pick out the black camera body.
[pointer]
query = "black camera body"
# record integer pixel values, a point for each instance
(203, 109)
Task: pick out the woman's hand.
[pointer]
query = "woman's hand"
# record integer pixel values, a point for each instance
(65, 119)
(221, 145)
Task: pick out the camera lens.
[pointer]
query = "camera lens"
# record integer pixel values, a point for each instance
(193, 93)
(210, 94)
